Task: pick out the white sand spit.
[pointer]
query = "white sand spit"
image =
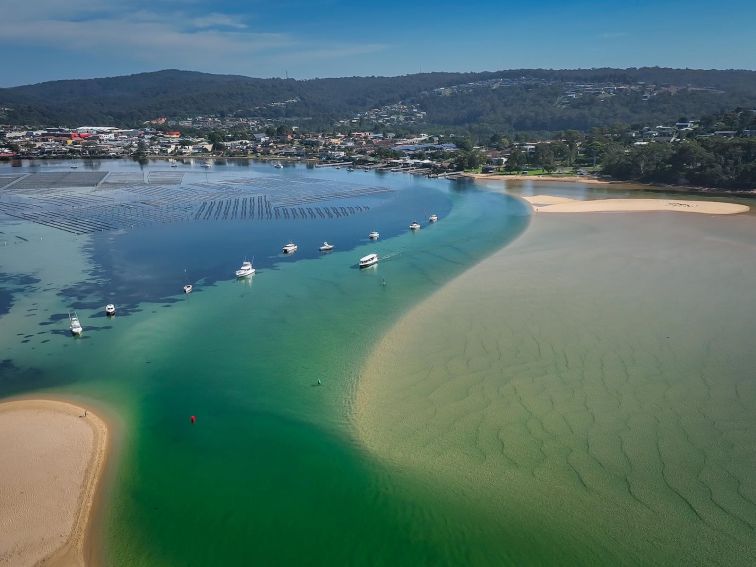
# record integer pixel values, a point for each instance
(52, 457)
(552, 204)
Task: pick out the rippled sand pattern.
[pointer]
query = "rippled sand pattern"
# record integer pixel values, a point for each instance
(595, 382)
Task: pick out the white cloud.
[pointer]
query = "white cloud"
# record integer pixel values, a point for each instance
(215, 42)
(218, 20)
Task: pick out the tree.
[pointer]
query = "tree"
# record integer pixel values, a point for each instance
(215, 137)
(464, 144)
(516, 160)
(572, 139)
(472, 159)
(544, 157)
(141, 149)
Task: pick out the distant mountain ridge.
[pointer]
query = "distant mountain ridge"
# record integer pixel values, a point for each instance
(536, 104)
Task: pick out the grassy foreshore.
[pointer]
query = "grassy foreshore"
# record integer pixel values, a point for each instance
(53, 456)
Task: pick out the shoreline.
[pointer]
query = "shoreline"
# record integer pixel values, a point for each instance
(587, 179)
(591, 180)
(80, 474)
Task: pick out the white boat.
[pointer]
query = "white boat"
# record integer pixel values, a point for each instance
(433, 218)
(245, 270)
(415, 225)
(369, 260)
(278, 165)
(110, 310)
(206, 164)
(75, 324)
(326, 247)
(374, 235)
(290, 248)
(188, 288)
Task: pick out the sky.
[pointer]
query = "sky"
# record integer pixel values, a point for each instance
(42, 40)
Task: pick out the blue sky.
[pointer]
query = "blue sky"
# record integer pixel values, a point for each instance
(58, 39)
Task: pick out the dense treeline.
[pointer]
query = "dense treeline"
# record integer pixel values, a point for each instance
(700, 159)
(707, 162)
(720, 153)
(531, 107)
(130, 100)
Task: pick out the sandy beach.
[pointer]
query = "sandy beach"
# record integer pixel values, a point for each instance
(553, 204)
(52, 458)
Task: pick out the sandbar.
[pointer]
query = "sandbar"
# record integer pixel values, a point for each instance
(586, 389)
(53, 454)
(552, 204)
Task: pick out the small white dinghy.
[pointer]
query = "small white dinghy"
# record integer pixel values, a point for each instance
(326, 247)
(369, 260)
(75, 324)
(110, 310)
(188, 288)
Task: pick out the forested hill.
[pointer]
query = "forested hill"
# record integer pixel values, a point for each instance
(522, 100)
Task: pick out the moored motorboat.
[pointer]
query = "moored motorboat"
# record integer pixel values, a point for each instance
(326, 247)
(369, 260)
(433, 218)
(415, 225)
(245, 270)
(374, 235)
(188, 288)
(290, 248)
(278, 165)
(207, 165)
(75, 324)
(110, 310)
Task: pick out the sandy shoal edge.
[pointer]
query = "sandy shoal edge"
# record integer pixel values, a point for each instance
(552, 204)
(551, 178)
(72, 552)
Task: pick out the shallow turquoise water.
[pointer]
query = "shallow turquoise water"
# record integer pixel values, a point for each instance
(271, 473)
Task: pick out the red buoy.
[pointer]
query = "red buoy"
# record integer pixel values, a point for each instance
(193, 419)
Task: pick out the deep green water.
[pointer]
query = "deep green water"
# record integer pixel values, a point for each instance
(271, 473)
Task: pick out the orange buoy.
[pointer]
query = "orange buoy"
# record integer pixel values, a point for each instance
(193, 419)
